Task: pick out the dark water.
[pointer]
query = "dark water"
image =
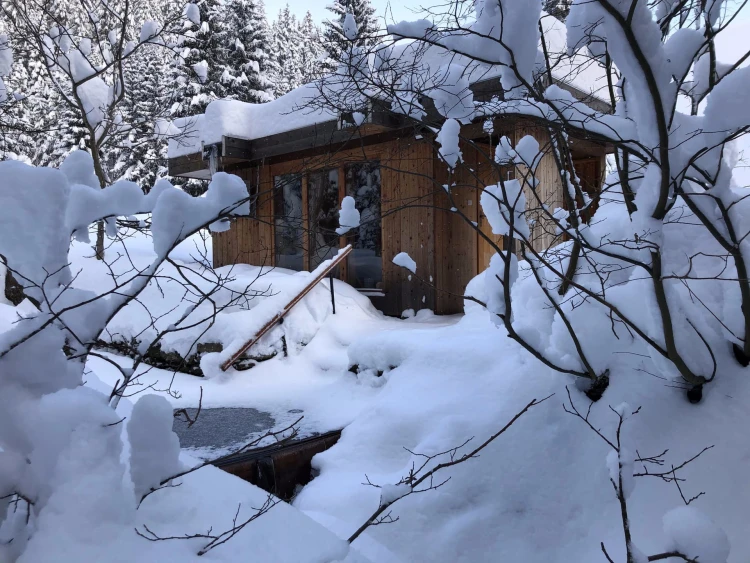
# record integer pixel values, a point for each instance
(221, 427)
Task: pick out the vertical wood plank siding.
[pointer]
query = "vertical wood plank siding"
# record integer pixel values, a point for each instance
(417, 215)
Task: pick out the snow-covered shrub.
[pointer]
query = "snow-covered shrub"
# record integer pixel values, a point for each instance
(60, 441)
(660, 251)
(655, 259)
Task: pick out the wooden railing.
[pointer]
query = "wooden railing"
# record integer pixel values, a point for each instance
(343, 253)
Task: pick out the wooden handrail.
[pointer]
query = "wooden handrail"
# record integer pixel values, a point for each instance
(343, 253)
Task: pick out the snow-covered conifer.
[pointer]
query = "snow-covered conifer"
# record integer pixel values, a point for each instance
(334, 38)
(245, 37)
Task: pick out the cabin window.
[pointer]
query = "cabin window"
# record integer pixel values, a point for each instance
(288, 227)
(365, 263)
(323, 215)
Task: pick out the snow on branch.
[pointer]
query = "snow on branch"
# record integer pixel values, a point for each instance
(421, 476)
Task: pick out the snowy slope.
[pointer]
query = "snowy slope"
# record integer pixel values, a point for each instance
(541, 492)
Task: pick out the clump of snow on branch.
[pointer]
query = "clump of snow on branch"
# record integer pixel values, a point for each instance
(504, 204)
(527, 152)
(391, 493)
(154, 447)
(358, 117)
(448, 139)
(176, 214)
(405, 261)
(695, 535)
(504, 153)
(149, 30)
(348, 216)
(192, 13)
(201, 70)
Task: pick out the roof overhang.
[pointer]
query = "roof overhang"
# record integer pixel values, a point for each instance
(380, 125)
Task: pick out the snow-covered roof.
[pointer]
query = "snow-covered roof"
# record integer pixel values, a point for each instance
(229, 118)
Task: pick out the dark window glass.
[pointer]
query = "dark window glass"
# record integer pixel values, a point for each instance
(289, 229)
(323, 213)
(365, 263)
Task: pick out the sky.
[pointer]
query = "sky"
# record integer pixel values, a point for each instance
(400, 9)
(396, 10)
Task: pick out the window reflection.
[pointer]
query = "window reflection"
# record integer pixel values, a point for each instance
(323, 211)
(365, 263)
(288, 229)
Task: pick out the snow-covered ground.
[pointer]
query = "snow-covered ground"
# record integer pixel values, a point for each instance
(314, 378)
(541, 492)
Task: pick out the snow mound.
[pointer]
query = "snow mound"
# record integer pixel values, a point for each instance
(695, 535)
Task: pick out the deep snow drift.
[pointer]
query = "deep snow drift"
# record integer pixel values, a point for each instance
(545, 479)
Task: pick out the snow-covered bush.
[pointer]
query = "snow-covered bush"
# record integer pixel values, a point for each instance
(657, 255)
(60, 441)
(661, 249)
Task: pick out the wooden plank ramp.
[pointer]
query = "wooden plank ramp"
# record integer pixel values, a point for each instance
(320, 274)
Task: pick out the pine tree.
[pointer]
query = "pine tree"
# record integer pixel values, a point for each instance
(193, 89)
(245, 39)
(312, 49)
(335, 41)
(65, 132)
(142, 158)
(286, 71)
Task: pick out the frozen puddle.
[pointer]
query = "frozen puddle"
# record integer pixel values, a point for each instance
(221, 428)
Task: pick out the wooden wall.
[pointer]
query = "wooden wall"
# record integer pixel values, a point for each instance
(456, 241)
(418, 216)
(408, 186)
(250, 239)
(548, 192)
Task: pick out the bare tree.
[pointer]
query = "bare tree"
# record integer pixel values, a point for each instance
(44, 355)
(422, 476)
(622, 462)
(88, 54)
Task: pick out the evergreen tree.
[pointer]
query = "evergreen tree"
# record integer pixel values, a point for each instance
(197, 70)
(312, 49)
(64, 131)
(286, 49)
(142, 157)
(245, 39)
(335, 41)
(558, 8)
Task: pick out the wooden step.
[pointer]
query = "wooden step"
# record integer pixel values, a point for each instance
(280, 468)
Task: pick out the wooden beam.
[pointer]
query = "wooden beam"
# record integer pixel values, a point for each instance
(187, 165)
(306, 246)
(343, 253)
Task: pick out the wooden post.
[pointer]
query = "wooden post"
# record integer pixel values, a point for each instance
(306, 246)
(333, 295)
(344, 270)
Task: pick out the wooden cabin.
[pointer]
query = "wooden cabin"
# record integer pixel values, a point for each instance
(299, 166)
(397, 180)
